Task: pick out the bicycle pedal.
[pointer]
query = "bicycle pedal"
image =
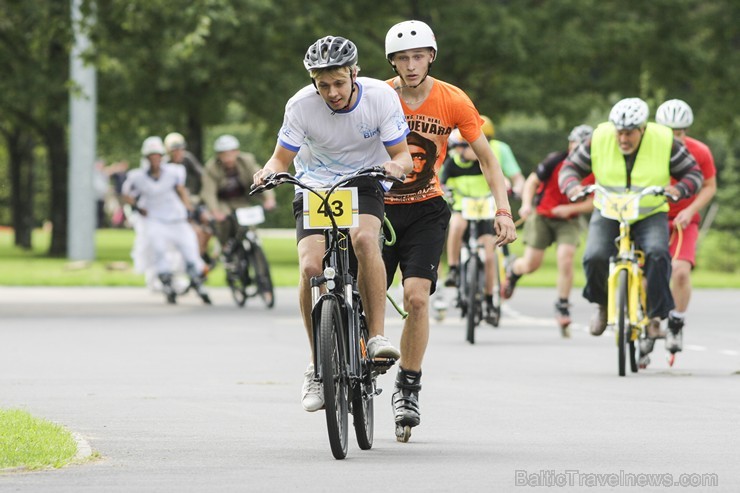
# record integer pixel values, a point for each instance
(372, 395)
(382, 365)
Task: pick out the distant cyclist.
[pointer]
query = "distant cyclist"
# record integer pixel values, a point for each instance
(551, 218)
(227, 180)
(627, 153)
(339, 124)
(462, 176)
(462, 168)
(677, 115)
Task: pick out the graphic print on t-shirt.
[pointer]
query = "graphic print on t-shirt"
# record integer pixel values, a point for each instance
(445, 108)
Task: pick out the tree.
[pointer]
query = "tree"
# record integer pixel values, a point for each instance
(34, 44)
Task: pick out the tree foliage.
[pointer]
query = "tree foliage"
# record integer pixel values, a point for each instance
(196, 65)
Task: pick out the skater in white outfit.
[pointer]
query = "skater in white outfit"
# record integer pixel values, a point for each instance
(156, 191)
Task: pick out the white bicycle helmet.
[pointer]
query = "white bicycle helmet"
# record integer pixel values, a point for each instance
(330, 51)
(409, 35)
(675, 113)
(226, 143)
(152, 145)
(174, 140)
(580, 134)
(629, 113)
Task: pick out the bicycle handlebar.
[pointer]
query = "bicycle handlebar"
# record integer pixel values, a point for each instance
(652, 190)
(276, 179)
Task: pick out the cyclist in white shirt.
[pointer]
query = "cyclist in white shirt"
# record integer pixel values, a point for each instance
(338, 125)
(157, 192)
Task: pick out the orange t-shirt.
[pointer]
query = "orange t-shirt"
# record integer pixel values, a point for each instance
(446, 108)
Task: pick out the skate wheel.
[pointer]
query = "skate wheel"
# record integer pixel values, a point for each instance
(671, 359)
(403, 433)
(565, 331)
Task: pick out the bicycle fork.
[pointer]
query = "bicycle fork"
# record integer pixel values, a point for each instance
(636, 295)
(325, 287)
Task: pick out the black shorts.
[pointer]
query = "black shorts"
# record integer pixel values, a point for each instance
(369, 195)
(421, 230)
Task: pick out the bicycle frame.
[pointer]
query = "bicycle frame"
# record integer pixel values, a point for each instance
(477, 268)
(629, 259)
(336, 282)
(246, 244)
(633, 322)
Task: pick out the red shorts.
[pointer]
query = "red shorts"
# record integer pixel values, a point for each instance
(685, 243)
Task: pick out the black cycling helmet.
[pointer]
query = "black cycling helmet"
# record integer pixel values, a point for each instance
(330, 51)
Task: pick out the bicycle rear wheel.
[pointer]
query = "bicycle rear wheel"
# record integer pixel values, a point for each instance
(331, 358)
(262, 276)
(363, 408)
(473, 275)
(622, 320)
(496, 294)
(237, 276)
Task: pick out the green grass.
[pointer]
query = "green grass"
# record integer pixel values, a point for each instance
(31, 268)
(33, 443)
(113, 265)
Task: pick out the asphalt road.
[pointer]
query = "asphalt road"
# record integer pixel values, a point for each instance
(192, 398)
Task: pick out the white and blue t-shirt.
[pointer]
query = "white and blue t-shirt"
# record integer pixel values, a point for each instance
(333, 144)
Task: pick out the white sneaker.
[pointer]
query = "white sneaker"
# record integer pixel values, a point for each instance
(380, 347)
(312, 395)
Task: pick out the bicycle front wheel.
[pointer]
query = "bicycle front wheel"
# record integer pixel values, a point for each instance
(262, 276)
(331, 358)
(496, 294)
(623, 330)
(473, 295)
(362, 398)
(237, 276)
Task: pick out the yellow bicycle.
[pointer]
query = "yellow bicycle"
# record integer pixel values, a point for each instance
(626, 294)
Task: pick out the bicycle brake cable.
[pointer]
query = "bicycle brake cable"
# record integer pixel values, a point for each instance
(387, 224)
(404, 314)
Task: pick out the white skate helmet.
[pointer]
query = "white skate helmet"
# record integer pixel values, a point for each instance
(409, 35)
(153, 145)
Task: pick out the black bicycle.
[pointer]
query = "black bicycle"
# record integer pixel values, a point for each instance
(247, 269)
(340, 331)
(472, 286)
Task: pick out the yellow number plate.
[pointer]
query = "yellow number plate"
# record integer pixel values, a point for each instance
(344, 206)
(478, 208)
(616, 206)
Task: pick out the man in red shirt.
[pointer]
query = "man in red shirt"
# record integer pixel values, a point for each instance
(684, 218)
(551, 218)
